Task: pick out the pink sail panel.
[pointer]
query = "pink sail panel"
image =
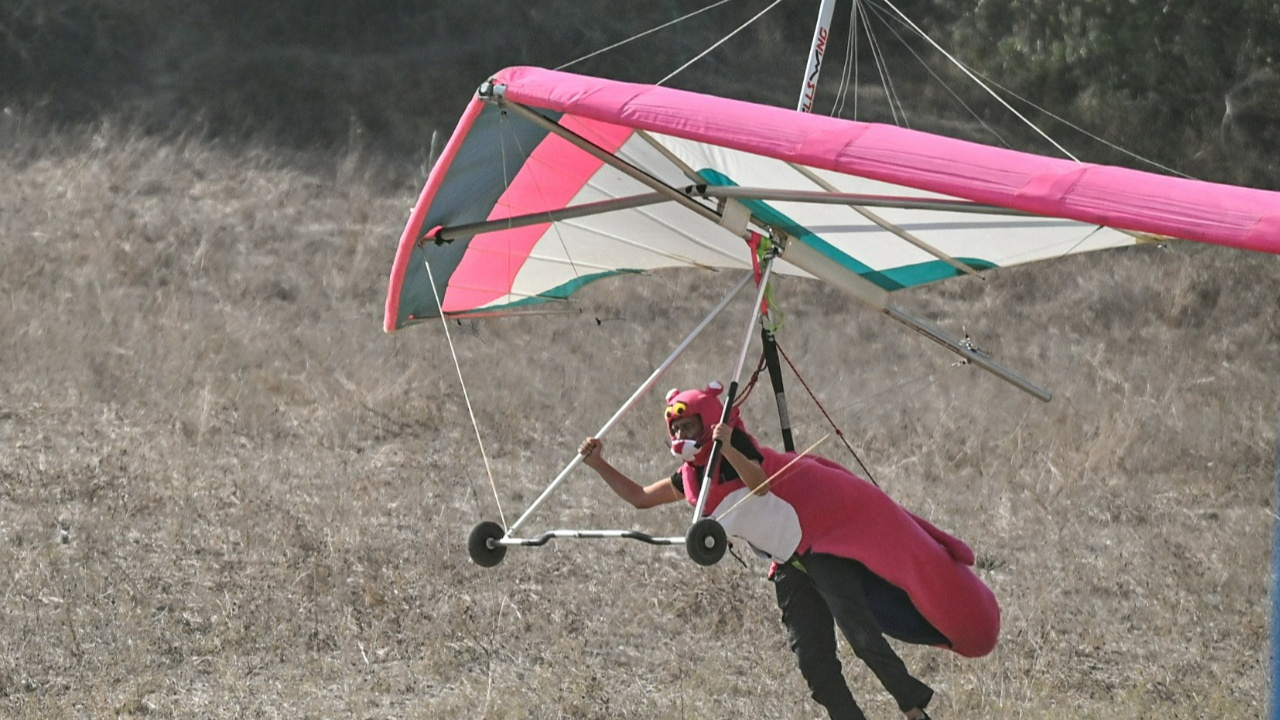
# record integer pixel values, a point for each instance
(552, 176)
(1115, 197)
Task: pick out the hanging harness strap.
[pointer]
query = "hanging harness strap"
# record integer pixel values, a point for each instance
(770, 354)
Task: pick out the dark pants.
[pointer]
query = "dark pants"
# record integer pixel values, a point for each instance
(831, 591)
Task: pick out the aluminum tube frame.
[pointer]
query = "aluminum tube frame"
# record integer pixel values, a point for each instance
(806, 258)
(546, 537)
(965, 349)
(635, 398)
(608, 158)
(733, 386)
(820, 197)
(449, 234)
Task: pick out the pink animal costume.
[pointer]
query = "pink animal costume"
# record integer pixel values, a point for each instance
(816, 506)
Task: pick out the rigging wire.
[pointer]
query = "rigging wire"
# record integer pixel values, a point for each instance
(465, 394)
(984, 81)
(920, 382)
(882, 67)
(1082, 240)
(849, 73)
(839, 433)
(650, 31)
(932, 378)
(885, 18)
(1083, 131)
(769, 481)
(963, 68)
(720, 42)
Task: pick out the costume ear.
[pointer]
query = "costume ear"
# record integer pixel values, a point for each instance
(714, 389)
(672, 393)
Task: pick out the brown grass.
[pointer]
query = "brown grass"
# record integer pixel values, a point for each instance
(226, 493)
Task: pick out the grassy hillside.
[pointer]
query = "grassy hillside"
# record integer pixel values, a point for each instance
(225, 493)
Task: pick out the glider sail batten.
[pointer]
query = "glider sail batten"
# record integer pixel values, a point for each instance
(895, 278)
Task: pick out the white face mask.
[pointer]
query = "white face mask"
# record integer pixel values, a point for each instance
(686, 450)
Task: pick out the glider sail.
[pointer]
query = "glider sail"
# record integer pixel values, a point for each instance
(554, 180)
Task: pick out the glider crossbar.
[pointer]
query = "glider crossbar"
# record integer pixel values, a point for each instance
(965, 349)
(838, 198)
(635, 397)
(546, 537)
(447, 234)
(806, 258)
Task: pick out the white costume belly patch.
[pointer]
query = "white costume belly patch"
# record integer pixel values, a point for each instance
(769, 523)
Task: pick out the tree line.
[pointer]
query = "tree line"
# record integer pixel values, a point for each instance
(1188, 83)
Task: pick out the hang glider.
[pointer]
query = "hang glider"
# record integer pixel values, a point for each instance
(554, 180)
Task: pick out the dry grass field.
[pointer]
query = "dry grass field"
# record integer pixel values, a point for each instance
(224, 492)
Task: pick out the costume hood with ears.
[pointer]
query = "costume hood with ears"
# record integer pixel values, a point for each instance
(705, 404)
